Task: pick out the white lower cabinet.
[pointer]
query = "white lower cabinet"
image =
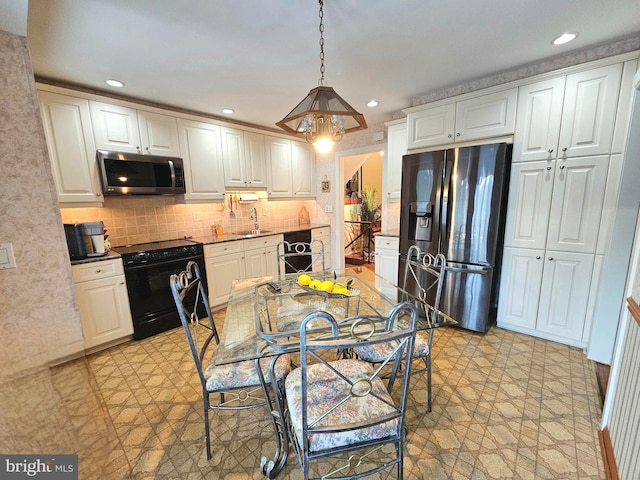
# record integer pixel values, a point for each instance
(224, 263)
(103, 302)
(228, 261)
(387, 256)
(545, 293)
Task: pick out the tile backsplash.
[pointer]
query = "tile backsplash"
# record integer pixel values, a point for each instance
(143, 219)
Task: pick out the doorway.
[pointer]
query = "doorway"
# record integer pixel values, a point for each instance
(360, 175)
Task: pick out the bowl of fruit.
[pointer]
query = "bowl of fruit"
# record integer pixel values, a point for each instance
(327, 288)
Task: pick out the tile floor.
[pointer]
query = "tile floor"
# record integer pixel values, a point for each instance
(506, 405)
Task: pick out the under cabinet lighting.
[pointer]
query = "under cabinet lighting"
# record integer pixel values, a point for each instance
(228, 111)
(114, 83)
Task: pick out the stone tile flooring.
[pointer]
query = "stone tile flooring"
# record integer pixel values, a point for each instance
(505, 405)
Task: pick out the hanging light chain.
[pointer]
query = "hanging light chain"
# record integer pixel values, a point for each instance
(322, 81)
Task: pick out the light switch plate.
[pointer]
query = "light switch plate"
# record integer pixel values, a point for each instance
(7, 260)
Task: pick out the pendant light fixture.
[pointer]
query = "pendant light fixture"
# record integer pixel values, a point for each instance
(323, 117)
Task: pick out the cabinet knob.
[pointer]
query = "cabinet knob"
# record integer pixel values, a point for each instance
(548, 168)
(147, 149)
(458, 134)
(550, 150)
(121, 283)
(138, 148)
(538, 257)
(551, 259)
(98, 270)
(564, 149)
(450, 135)
(561, 167)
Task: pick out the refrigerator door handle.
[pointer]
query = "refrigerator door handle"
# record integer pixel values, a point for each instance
(453, 267)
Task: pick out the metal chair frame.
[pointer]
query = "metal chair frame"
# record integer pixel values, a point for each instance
(286, 251)
(240, 398)
(344, 335)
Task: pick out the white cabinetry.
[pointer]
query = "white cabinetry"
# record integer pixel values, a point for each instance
(396, 148)
(485, 116)
(545, 293)
(568, 116)
(387, 255)
(200, 144)
(72, 151)
(243, 158)
(103, 302)
(290, 168)
(324, 235)
(224, 263)
(125, 129)
(261, 256)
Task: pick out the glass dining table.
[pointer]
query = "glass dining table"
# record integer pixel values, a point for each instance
(263, 317)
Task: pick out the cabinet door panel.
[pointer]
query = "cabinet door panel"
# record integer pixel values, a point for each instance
(538, 127)
(528, 205)
(302, 169)
(434, 126)
(221, 272)
(256, 163)
(159, 134)
(278, 152)
(72, 151)
(520, 287)
(565, 294)
(233, 157)
(487, 116)
(589, 111)
(115, 127)
(104, 310)
(256, 262)
(578, 196)
(396, 148)
(200, 144)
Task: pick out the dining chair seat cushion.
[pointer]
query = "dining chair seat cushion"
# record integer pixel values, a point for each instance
(325, 389)
(243, 374)
(379, 352)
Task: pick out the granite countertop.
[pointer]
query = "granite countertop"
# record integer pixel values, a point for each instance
(229, 237)
(388, 233)
(111, 255)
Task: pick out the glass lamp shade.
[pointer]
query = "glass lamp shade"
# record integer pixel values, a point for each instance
(322, 115)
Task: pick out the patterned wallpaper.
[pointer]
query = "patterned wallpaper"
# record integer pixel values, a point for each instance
(39, 319)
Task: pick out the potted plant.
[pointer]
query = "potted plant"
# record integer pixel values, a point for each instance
(369, 206)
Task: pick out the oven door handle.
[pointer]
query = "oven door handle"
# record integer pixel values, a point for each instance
(166, 262)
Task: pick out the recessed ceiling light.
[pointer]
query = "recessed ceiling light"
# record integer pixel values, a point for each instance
(564, 38)
(228, 111)
(114, 83)
(372, 103)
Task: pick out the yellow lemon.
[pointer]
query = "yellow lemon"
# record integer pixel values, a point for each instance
(340, 290)
(314, 283)
(326, 286)
(304, 279)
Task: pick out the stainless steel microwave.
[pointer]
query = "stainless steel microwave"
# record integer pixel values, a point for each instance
(134, 174)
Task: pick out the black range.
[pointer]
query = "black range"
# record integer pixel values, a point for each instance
(147, 268)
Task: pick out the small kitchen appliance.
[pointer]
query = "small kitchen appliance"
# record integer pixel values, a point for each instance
(93, 236)
(75, 241)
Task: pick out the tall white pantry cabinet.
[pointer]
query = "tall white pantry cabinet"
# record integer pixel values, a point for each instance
(564, 178)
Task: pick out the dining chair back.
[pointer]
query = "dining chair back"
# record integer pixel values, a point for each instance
(240, 385)
(300, 257)
(343, 421)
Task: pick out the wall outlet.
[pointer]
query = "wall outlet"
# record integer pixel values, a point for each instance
(328, 209)
(7, 259)
(264, 211)
(197, 217)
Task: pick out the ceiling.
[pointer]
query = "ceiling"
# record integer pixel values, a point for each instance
(262, 57)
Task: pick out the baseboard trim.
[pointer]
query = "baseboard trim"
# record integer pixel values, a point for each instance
(608, 458)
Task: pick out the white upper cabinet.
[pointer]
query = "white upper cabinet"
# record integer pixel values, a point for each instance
(159, 134)
(396, 148)
(302, 169)
(538, 125)
(204, 175)
(486, 116)
(243, 158)
(570, 116)
(589, 112)
(72, 151)
(125, 129)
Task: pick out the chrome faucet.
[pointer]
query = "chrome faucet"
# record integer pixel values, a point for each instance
(254, 217)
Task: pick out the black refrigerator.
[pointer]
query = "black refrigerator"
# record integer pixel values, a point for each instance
(454, 202)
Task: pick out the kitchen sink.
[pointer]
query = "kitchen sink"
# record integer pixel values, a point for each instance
(253, 233)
